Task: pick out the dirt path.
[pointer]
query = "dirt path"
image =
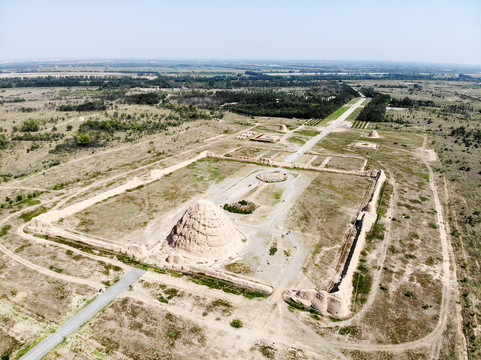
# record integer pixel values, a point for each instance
(29, 237)
(459, 323)
(381, 258)
(26, 188)
(314, 340)
(261, 325)
(449, 293)
(41, 270)
(124, 148)
(448, 280)
(76, 118)
(326, 131)
(48, 272)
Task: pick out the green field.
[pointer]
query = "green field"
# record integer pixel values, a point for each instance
(337, 113)
(353, 101)
(333, 116)
(353, 116)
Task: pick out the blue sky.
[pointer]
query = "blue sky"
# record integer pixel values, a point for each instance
(387, 30)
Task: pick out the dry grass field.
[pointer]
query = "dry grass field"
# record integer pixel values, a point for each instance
(122, 216)
(416, 289)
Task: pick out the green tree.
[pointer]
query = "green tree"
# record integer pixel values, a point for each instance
(3, 141)
(83, 139)
(30, 125)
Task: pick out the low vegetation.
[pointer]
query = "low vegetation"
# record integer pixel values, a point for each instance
(236, 323)
(241, 207)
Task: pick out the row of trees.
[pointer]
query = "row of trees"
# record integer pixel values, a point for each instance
(375, 111)
(112, 126)
(150, 98)
(45, 136)
(407, 102)
(97, 105)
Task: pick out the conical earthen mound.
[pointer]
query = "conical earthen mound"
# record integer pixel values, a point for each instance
(204, 230)
(373, 134)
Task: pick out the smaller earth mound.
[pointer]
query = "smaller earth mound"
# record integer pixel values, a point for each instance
(271, 177)
(283, 128)
(373, 134)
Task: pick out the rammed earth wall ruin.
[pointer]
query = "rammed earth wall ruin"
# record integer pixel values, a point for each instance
(336, 302)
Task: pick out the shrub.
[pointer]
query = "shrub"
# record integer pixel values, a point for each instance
(83, 139)
(30, 125)
(236, 323)
(3, 141)
(273, 250)
(242, 207)
(174, 334)
(5, 229)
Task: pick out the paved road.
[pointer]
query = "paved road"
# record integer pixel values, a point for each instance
(334, 124)
(83, 316)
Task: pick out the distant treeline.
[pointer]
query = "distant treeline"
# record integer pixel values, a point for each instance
(87, 106)
(46, 136)
(384, 86)
(111, 126)
(410, 103)
(249, 79)
(150, 98)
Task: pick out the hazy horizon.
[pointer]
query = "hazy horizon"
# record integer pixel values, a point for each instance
(432, 32)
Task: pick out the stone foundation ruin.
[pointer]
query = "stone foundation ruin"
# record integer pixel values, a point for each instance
(271, 177)
(365, 145)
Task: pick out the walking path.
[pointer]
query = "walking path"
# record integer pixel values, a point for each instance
(333, 125)
(83, 316)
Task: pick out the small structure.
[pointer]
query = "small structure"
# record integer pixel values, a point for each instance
(283, 128)
(81, 118)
